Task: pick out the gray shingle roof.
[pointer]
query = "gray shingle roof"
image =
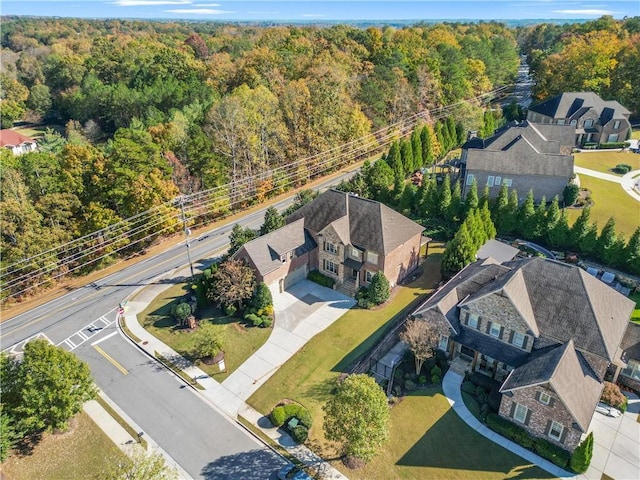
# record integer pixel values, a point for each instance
(265, 251)
(576, 104)
(493, 347)
(631, 342)
(371, 225)
(497, 250)
(563, 369)
(525, 149)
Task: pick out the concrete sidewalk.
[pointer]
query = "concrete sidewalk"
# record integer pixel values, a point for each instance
(229, 397)
(628, 182)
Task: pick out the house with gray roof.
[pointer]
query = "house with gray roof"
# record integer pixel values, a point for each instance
(523, 156)
(629, 376)
(595, 120)
(547, 331)
(345, 237)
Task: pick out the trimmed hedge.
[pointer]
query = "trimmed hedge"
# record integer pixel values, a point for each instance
(612, 145)
(581, 458)
(622, 168)
(320, 279)
(278, 416)
(519, 435)
(282, 414)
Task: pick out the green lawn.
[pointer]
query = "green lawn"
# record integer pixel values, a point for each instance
(635, 134)
(310, 375)
(610, 200)
(605, 161)
(429, 441)
(240, 341)
(35, 132)
(635, 316)
(84, 452)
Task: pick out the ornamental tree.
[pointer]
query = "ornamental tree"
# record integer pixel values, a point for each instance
(357, 417)
(421, 338)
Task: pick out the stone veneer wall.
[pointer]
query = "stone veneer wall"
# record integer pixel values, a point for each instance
(330, 235)
(541, 414)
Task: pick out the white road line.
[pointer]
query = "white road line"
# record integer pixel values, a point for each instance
(104, 338)
(82, 335)
(70, 343)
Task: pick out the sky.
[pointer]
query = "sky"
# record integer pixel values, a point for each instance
(327, 10)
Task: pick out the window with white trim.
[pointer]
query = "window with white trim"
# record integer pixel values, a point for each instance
(469, 178)
(368, 276)
(518, 339)
(545, 398)
(573, 123)
(555, 431)
(520, 413)
(330, 247)
(613, 137)
(507, 182)
(561, 121)
(329, 266)
(588, 123)
(372, 258)
(443, 342)
(632, 370)
(355, 253)
(472, 320)
(616, 124)
(495, 329)
(497, 182)
(490, 180)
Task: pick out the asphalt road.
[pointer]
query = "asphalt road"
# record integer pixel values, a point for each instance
(203, 441)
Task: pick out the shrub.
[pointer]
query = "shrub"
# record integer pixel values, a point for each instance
(422, 379)
(436, 371)
(261, 297)
(611, 395)
(278, 416)
(622, 168)
(320, 279)
(552, 452)
(300, 433)
(298, 411)
(362, 297)
(255, 320)
(266, 322)
(468, 387)
(435, 379)
(230, 310)
(570, 194)
(379, 288)
(409, 385)
(581, 458)
(612, 145)
(181, 312)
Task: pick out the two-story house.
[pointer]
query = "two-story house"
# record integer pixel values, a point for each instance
(345, 237)
(522, 156)
(546, 330)
(595, 120)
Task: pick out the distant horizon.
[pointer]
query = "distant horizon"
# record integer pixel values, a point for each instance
(327, 11)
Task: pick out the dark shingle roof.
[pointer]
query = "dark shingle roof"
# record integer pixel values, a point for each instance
(576, 104)
(631, 342)
(361, 222)
(525, 149)
(265, 251)
(497, 250)
(493, 347)
(564, 370)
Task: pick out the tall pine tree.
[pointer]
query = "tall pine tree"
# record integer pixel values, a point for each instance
(416, 147)
(444, 196)
(605, 246)
(579, 228)
(427, 148)
(558, 236)
(471, 201)
(632, 253)
(526, 216)
(406, 153)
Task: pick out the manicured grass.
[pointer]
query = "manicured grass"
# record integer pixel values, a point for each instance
(610, 200)
(84, 452)
(309, 376)
(35, 132)
(635, 134)
(240, 341)
(635, 316)
(429, 440)
(605, 161)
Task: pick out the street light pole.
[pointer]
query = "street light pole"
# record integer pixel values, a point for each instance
(187, 232)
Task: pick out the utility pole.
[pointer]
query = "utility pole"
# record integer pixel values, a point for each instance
(187, 232)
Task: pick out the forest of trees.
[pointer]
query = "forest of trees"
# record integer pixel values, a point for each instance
(149, 111)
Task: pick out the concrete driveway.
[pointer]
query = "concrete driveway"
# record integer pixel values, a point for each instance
(616, 449)
(301, 312)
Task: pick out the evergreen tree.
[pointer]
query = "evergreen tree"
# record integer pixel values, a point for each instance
(476, 230)
(427, 149)
(579, 228)
(589, 240)
(406, 153)
(582, 455)
(430, 202)
(451, 132)
(509, 220)
(273, 220)
(454, 211)
(558, 236)
(444, 196)
(239, 236)
(487, 223)
(500, 207)
(488, 124)
(553, 214)
(461, 133)
(416, 147)
(526, 216)
(606, 242)
(398, 188)
(394, 159)
(632, 253)
(617, 252)
(441, 140)
(471, 201)
(407, 203)
(459, 252)
(539, 221)
(485, 198)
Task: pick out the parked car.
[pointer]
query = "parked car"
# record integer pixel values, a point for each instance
(292, 472)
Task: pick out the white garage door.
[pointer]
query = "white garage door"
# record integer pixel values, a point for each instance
(295, 276)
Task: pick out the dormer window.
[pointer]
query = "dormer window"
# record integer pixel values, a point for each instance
(495, 330)
(616, 124)
(588, 123)
(472, 320)
(518, 339)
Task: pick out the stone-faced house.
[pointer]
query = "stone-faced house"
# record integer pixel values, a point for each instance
(522, 156)
(629, 375)
(595, 120)
(546, 330)
(345, 237)
(16, 142)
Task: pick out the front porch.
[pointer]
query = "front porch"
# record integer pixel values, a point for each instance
(467, 360)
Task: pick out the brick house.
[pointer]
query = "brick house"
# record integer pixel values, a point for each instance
(16, 142)
(629, 375)
(522, 156)
(595, 120)
(345, 237)
(547, 331)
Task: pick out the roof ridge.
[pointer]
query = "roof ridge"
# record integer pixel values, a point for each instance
(581, 274)
(566, 349)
